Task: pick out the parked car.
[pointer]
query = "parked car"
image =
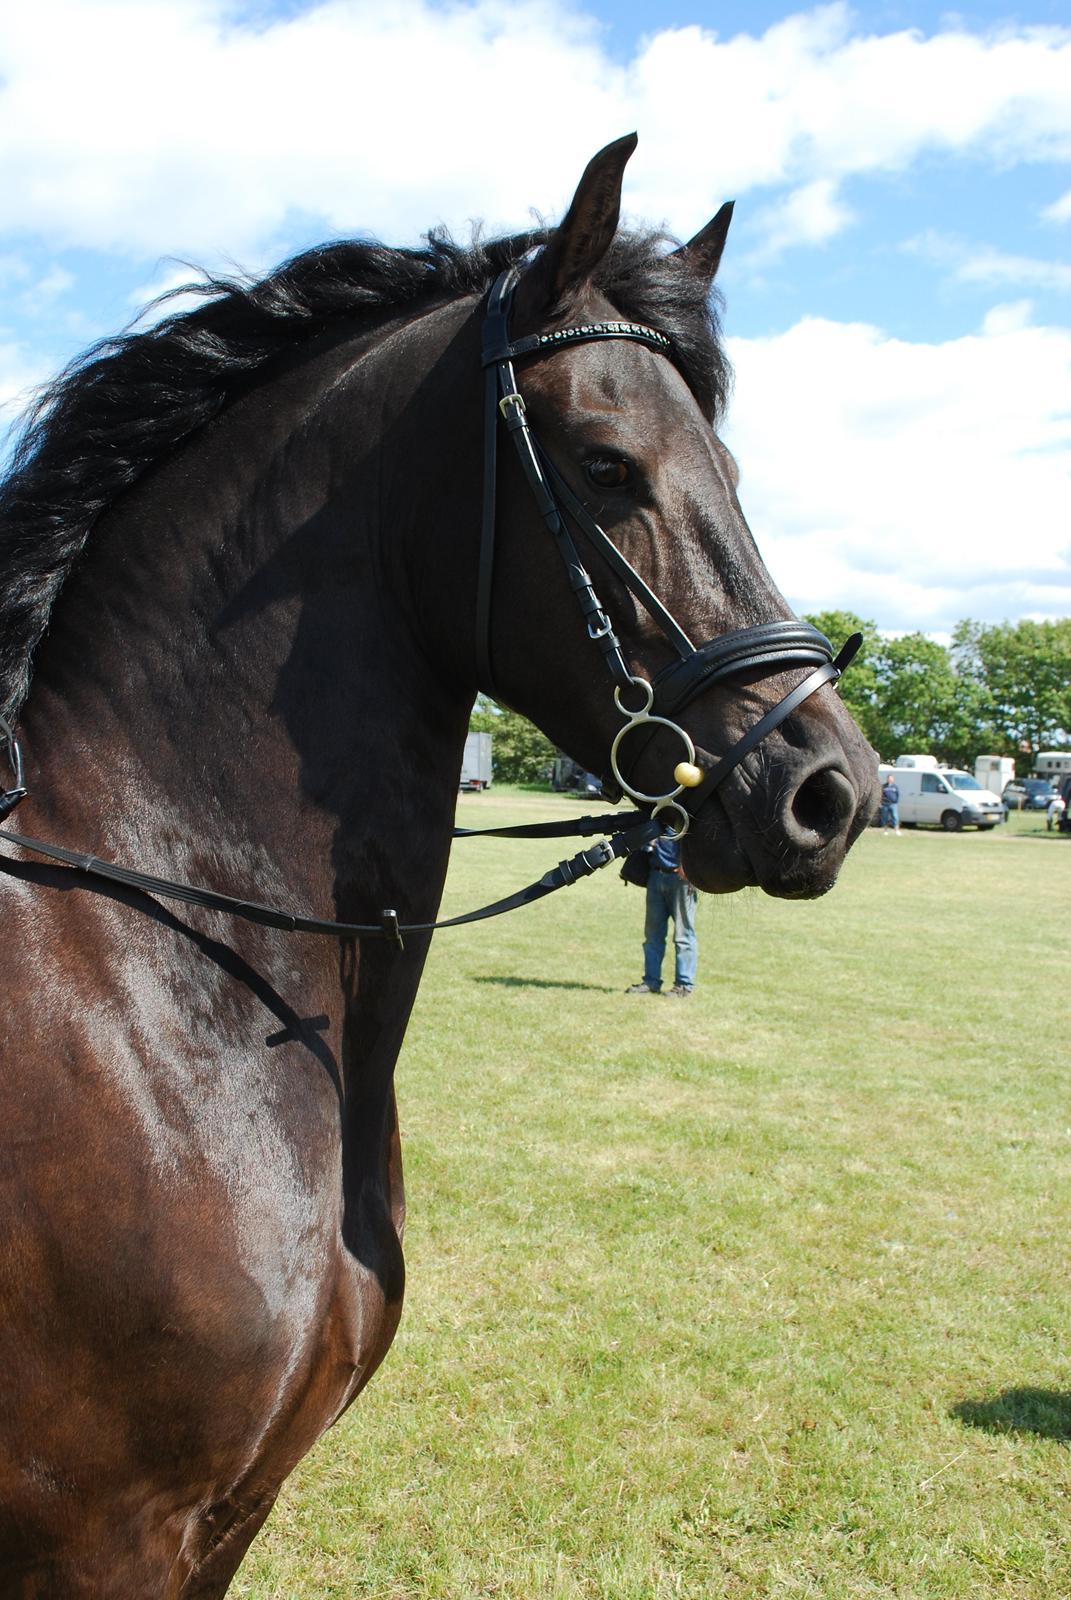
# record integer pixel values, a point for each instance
(1028, 794)
(568, 777)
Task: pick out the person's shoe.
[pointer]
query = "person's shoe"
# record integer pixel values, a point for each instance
(679, 992)
(641, 988)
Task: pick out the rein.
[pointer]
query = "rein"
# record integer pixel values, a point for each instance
(773, 644)
(627, 836)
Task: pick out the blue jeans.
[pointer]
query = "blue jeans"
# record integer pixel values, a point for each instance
(669, 896)
(890, 814)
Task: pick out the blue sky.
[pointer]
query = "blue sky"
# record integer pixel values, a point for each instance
(898, 278)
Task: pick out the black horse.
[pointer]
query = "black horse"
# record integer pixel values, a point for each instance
(243, 548)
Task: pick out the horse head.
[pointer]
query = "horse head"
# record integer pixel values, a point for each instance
(620, 382)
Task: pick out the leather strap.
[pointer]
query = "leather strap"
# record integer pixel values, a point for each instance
(828, 673)
(500, 348)
(573, 827)
(502, 397)
(771, 644)
(618, 563)
(495, 330)
(624, 842)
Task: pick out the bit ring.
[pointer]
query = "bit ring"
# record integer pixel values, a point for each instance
(639, 719)
(685, 822)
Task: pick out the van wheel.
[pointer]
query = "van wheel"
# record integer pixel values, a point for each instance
(951, 821)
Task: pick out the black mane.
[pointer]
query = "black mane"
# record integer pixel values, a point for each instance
(131, 399)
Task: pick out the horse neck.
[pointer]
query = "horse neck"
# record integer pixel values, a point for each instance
(239, 659)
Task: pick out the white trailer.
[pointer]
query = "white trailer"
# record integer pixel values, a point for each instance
(994, 772)
(911, 762)
(1052, 764)
(476, 763)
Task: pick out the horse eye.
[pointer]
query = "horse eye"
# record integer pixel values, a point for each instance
(609, 472)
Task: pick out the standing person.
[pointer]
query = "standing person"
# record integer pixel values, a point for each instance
(669, 895)
(1053, 812)
(890, 804)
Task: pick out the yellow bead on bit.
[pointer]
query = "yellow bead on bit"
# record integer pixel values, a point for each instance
(688, 775)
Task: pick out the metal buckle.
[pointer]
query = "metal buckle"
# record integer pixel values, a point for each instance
(514, 399)
(600, 629)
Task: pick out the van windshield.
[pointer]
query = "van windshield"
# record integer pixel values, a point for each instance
(961, 780)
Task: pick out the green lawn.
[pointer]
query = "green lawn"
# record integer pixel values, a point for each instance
(765, 1293)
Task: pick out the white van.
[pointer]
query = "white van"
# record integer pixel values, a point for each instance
(943, 797)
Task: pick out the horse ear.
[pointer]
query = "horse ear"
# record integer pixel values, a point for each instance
(702, 255)
(583, 236)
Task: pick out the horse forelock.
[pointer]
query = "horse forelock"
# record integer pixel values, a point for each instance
(129, 401)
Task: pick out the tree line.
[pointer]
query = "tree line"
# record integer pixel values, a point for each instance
(996, 689)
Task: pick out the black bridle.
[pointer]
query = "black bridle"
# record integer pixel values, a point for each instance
(778, 644)
(768, 645)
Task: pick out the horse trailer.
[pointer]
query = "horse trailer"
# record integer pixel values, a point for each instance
(1052, 764)
(994, 772)
(476, 763)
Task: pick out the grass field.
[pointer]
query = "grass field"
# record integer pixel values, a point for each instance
(763, 1293)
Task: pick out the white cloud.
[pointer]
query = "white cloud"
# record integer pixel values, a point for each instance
(1008, 317)
(40, 296)
(20, 375)
(13, 270)
(177, 126)
(809, 215)
(970, 263)
(996, 267)
(914, 483)
(1060, 210)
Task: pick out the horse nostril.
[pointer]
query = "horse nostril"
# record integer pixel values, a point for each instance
(822, 805)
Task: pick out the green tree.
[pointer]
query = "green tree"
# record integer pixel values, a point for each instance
(1022, 671)
(924, 703)
(859, 686)
(519, 752)
(908, 693)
